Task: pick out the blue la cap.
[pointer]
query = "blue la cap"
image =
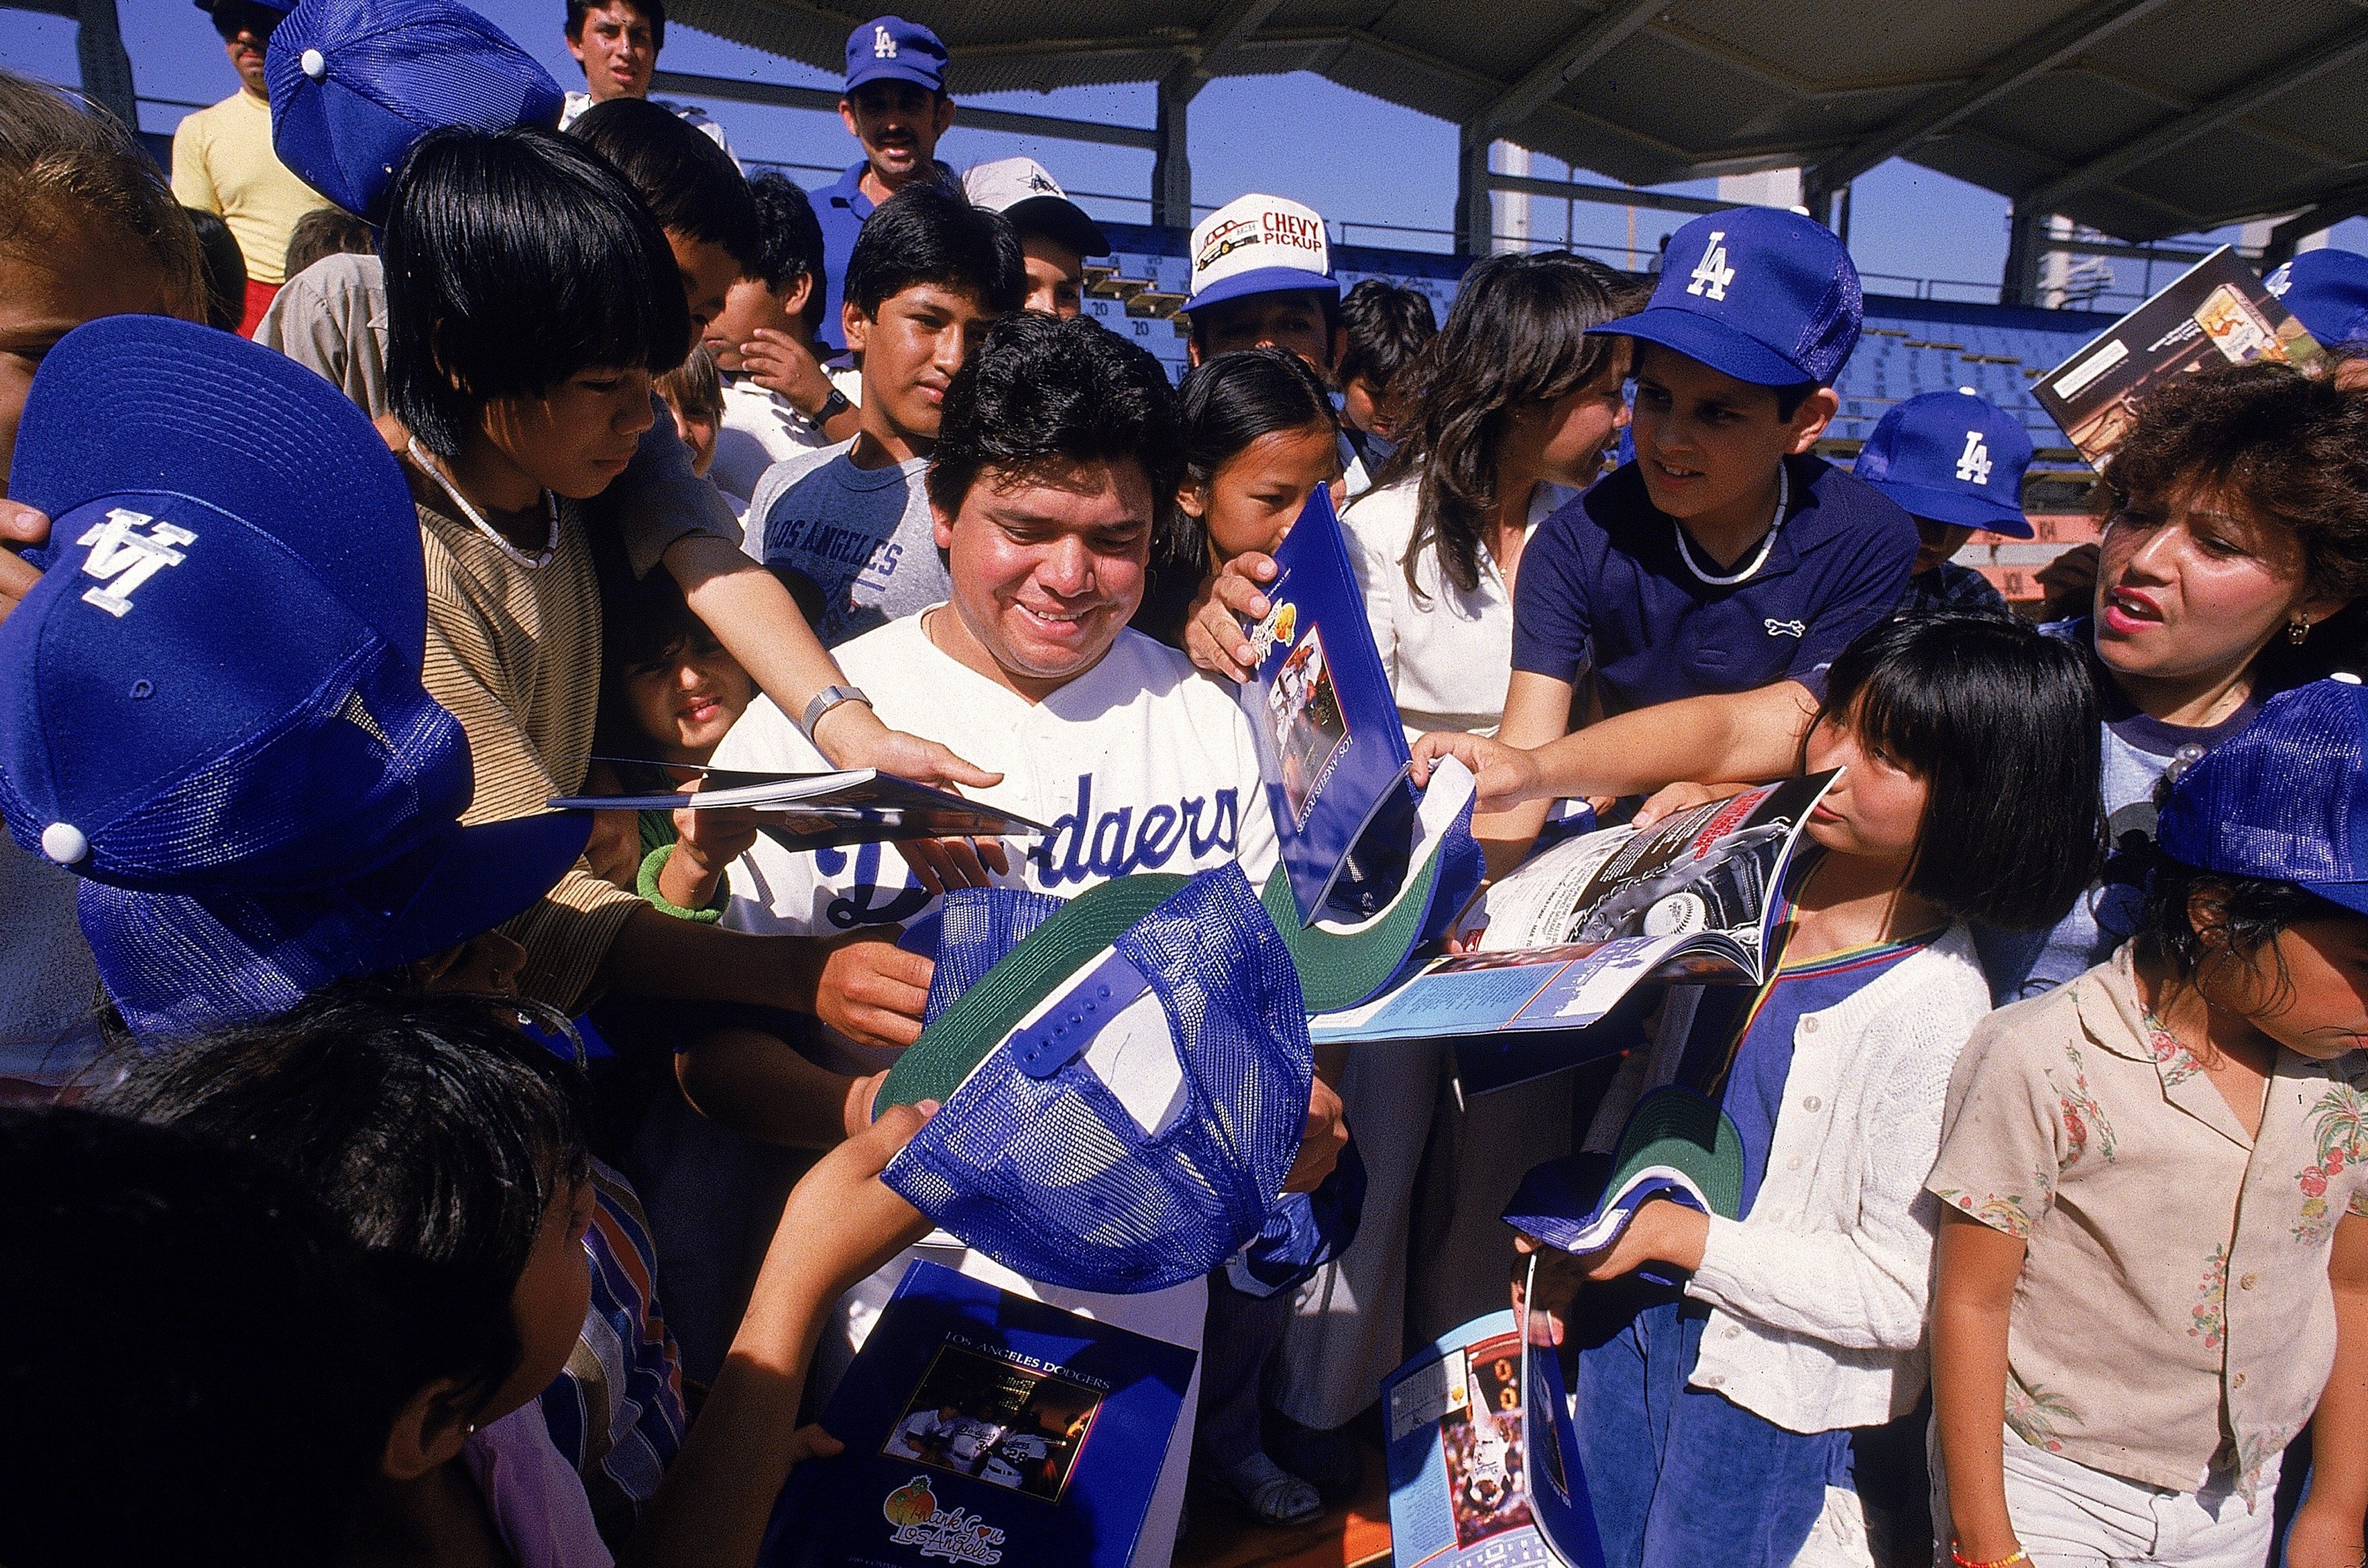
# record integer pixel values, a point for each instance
(892, 48)
(1956, 458)
(355, 82)
(2285, 799)
(2327, 290)
(1763, 295)
(210, 704)
(1123, 1092)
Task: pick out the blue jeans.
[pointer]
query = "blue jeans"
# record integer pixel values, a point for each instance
(1681, 1477)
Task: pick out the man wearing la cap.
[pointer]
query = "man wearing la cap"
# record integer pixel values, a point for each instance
(223, 162)
(1955, 462)
(1058, 458)
(895, 105)
(1711, 579)
(1055, 233)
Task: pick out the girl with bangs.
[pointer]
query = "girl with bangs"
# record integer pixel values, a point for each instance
(1783, 1373)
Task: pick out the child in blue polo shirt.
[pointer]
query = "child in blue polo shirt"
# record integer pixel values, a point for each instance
(1955, 461)
(895, 105)
(1725, 563)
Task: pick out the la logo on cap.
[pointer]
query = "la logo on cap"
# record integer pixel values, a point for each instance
(123, 559)
(884, 44)
(1975, 462)
(1713, 273)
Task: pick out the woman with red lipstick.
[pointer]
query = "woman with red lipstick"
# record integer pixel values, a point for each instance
(2236, 527)
(1791, 1355)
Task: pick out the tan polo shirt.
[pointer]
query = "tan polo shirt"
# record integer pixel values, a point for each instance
(2173, 1318)
(514, 654)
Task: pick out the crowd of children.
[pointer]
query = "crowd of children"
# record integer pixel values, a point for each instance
(398, 1170)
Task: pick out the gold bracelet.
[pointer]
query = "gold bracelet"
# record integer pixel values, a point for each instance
(2009, 1561)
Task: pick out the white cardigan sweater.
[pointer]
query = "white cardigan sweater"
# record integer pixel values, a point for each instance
(1818, 1296)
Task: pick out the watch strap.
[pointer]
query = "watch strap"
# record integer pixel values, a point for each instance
(825, 699)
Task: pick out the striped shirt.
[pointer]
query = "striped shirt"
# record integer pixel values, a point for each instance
(515, 652)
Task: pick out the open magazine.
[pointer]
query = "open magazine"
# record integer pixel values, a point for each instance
(1459, 1476)
(2216, 312)
(806, 811)
(1562, 939)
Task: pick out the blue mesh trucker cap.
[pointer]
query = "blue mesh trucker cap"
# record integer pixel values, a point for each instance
(355, 82)
(892, 48)
(2285, 800)
(1763, 295)
(2327, 290)
(210, 704)
(1121, 1093)
(1955, 457)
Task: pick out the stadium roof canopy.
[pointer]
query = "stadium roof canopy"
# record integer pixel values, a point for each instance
(2140, 118)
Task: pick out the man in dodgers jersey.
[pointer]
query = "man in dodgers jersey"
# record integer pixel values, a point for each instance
(1058, 457)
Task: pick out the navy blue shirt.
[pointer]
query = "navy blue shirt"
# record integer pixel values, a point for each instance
(1603, 585)
(841, 208)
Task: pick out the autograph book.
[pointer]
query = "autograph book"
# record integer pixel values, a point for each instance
(806, 811)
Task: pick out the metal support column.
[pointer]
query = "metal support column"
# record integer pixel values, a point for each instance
(106, 64)
(2026, 237)
(1171, 163)
(1474, 214)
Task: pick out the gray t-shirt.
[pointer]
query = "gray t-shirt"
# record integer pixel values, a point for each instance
(862, 535)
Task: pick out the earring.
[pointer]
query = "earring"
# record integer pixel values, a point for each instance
(2297, 629)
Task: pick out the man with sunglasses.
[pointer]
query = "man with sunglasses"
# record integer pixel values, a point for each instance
(222, 161)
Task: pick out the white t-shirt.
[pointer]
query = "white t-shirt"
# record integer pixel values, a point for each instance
(759, 429)
(1449, 654)
(1141, 764)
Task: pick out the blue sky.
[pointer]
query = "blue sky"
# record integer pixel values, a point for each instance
(1908, 222)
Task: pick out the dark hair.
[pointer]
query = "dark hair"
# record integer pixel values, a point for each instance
(2255, 911)
(653, 10)
(437, 1135)
(326, 231)
(1517, 333)
(2291, 449)
(690, 184)
(1388, 325)
(929, 232)
(516, 259)
(647, 621)
(2002, 722)
(1231, 401)
(789, 242)
(226, 270)
(1040, 389)
(66, 170)
(191, 1356)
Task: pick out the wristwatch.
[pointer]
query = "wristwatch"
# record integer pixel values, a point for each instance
(825, 699)
(832, 407)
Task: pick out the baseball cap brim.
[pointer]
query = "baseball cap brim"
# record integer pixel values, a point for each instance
(1714, 343)
(1261, 280)
(2352, 896)
(180, 963)
(1956, 508)
(897, 71)
(958, 1040)
(1064, 220)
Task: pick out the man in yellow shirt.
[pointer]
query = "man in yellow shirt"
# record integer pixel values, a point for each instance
(223, 160)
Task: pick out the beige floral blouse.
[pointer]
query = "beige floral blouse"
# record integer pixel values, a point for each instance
(2173, 1318)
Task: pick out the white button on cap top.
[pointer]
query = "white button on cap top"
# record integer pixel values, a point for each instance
(63, 843)
(315, 66)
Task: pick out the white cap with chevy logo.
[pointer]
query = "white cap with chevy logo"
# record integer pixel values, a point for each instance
(1258, 244)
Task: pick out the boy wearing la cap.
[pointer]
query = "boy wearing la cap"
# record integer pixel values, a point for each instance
(1057, 462)
(1955, 462)
(1055, 233)
(1725, 565)
(2327, 290)
(895, 105)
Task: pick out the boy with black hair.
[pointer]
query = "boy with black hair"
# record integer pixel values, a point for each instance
(1715, 576)
(929, 274)
(692, 188)
(251, 1413)
(1055, 233)
(617, 43)
(778, 399)
(895, 105)
(1057, 466)
(1387, 327)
